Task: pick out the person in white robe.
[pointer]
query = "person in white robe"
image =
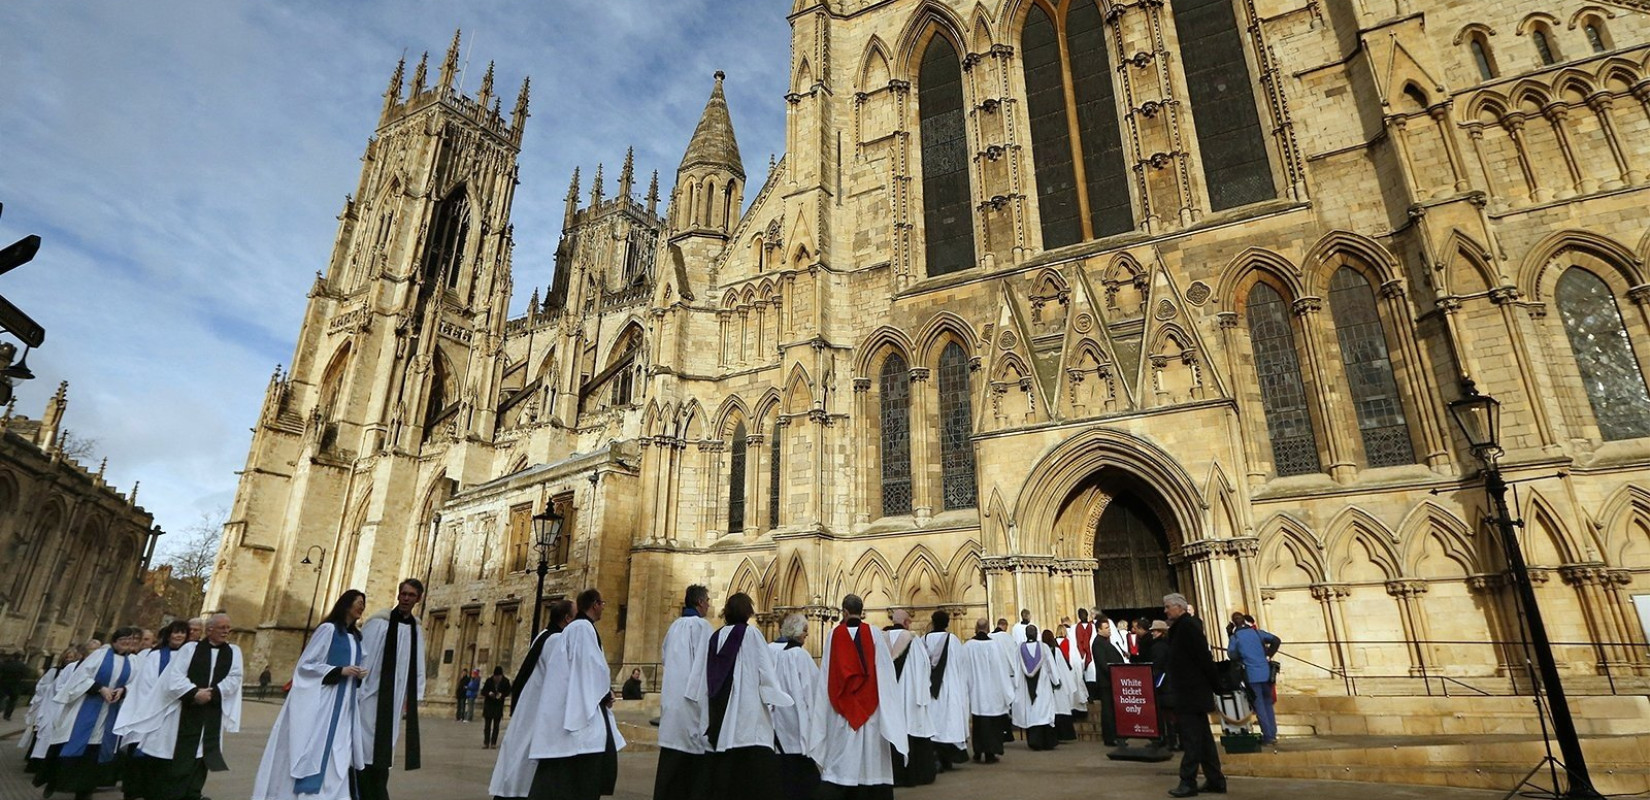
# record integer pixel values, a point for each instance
(141, 713)
(392, 651)
(575, 738)
(917, 767)
(1065, 680)
(513, 772)
(731, 686)
(1083, 636)
(314, 745)
(798, 777)
(1011, 664)
(1034, 700)
(860, 712)
(200, 693)
(1019, 629)
(83, 748)
(990, 693)
(44, 708)
(948, 690)
(681, 732)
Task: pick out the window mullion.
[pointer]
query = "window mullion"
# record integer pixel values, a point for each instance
(1078, 168)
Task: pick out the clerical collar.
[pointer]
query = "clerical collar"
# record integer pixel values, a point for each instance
(790, 643)
(404, 619)
(981, 636)
(690, 611)
(852, 623)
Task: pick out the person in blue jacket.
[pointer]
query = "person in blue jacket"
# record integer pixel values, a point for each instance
(1255, 647)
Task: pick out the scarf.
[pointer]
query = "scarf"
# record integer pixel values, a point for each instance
(202, 723)
(936, 674)
(81, 733)
(383, 744)
(1085, 642)
(852, 682)
(530, 664)
(719, 663)
(1065, 650)
(899, 648)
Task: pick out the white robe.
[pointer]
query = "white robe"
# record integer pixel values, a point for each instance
(913, 684)
(1029, 712)
(37, 701)
(797, 677)
(71, 695)
(1071, 694)
(847, 757)
(990, 687)
(1120, 640)
(171, 689)
(1089, 668)
(1010, 651)
(298, 742)
(679, 727)
(45, 719)
(1017, 632)
(372, 647)
(747, 721)
(513, 772)
(948, 713)
(140, 714)
(571, 721)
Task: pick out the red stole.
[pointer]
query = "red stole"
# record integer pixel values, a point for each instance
(1065, 649)
(1085, 632)
(852, 684)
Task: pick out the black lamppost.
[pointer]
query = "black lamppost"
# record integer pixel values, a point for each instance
(546, 530)
(1479, 417)
(314, 593)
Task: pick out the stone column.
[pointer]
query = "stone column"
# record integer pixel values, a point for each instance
(1514, 125)
(862, 441)
(1590, 582)
(1556, 115)
(1000, 591)
(1341, 467)
(1416, 631)
(924, 500)
(1602, 105)
(1452, 147)
(1627, 619)
(1080, 576)
(1331, 600)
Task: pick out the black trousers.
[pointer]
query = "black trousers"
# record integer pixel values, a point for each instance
(1198, 746)
(489, 730)
(680, 775)
(372, 783)
(988, 735)
(179, 780)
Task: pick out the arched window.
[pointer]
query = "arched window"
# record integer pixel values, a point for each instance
(1543, 46)
(736, 479)
(449, 230)
(956, 425)
(1229, 138)
(1282, 394)
(1369, 370)
(774, 474)
(1085, 76)
(895, 391)
(948, 224)
(1604, 355)
(1595, 35)
(1481, 57)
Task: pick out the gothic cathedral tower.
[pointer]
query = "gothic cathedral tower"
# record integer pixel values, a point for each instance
(397, 356)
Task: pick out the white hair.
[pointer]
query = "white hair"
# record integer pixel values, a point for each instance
(1176, 599)
(794, 625)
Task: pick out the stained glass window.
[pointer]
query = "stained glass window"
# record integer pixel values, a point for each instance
(1604, 355)
(1369, 370)
(736, 480)
(1595, 37)
(895, 390)
(1106, 179)
(948, 223)
(1050, 132)
(1229, 137)
(774, 452)
(956, 425)
(1543, 47)
(1278, 368)
(1481, 56)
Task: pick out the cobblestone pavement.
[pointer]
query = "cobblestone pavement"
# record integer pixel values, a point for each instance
(457, 768)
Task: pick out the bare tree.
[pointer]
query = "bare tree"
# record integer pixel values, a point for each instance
(74, 446)
(195, 553)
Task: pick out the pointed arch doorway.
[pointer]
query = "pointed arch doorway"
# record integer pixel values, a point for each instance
(1123, 523)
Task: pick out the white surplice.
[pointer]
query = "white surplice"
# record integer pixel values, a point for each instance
(51, 709)
(948, 713)
(513, 772)
(40, 704)
(913, 683)
(1077, 690)
(797, 677)
(990, 686)
(1010, 650)
(318, 723)
(847, 757)
(747, 722)
(1031, 712)
(680, 728)
(71, 695)
(1092, 632)
(174, 683)
(571, 720)
(141, 711)
(373, 635)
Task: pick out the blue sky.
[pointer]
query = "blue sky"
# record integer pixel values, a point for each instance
(185, 162)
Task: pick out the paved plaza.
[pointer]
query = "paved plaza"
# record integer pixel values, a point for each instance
(457, 768)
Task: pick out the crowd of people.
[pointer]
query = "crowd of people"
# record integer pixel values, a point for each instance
(147, 711)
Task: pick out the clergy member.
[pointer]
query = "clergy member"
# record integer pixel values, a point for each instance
(948, 688)
(82, 753)
(1065, 699)
(681, 732)
(798, 777)
(1083, 636)
(860, 711)
(142, 712)
(990, 692)
(1019, 629)
(513, 772)
(731, 687)
(1010, 642)
(44, 709)
(312, 749)
(1106, 656)
(392, 650)
(203, 681)
(575, 738)
(1033, 709)
(911, 670)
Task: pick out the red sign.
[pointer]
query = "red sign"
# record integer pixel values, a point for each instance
(1135, 701)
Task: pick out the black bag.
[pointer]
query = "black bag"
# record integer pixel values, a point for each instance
(1229, 676)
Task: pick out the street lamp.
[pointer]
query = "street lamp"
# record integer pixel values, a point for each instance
(1479, 417)
(546, 530)
(314, 593)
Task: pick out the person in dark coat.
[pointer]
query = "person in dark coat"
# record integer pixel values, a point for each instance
(1190, 671)
(1106, 656)
(493, 694)
(633, 687)
(1154, 650)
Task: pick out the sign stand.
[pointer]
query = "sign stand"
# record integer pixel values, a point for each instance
(1134, 702)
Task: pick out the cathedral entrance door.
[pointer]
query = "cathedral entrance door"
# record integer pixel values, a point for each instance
(1131, 553)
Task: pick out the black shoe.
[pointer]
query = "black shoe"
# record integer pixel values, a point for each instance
(1213, 787)
(1183, 790)
(990, 759)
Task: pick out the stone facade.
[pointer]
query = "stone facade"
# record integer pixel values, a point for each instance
(1229, 377)
(74, 549)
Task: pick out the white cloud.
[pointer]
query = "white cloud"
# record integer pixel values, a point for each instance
(184, 163)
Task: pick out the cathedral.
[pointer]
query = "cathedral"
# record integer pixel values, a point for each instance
(1050, 304)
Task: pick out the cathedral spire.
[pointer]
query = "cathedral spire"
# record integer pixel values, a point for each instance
(449, 65)
(572, 201)
(653, 194)
(627, 175)
(596, 187)
(392, 95)
(519, 117)
(486, 87)
(713, 144)
(420, 73)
